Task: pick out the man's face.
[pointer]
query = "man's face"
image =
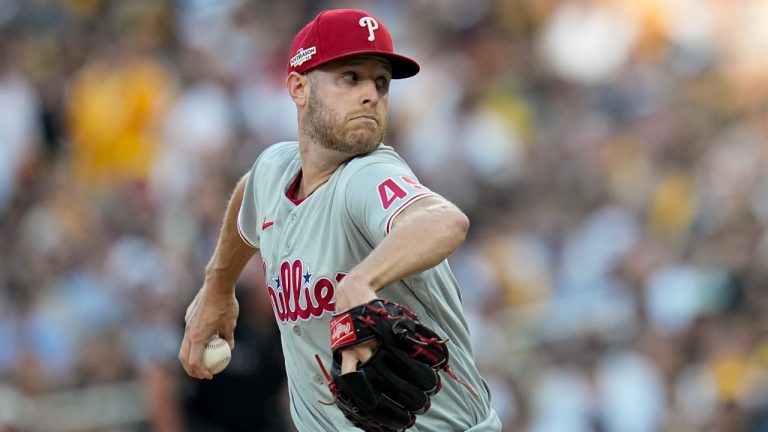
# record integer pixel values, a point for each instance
(347, 106)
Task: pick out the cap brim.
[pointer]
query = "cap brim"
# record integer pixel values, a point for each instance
(402, 66)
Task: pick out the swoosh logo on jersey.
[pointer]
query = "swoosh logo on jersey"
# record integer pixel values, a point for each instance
(266, 224)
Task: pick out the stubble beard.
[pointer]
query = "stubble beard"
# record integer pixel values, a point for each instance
(323, 126)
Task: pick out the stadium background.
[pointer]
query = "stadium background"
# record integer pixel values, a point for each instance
(611, 155)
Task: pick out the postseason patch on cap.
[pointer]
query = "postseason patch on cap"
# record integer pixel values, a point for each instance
(303, 55)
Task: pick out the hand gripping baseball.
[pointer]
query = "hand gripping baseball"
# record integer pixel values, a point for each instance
(208, 314)
(387, 392)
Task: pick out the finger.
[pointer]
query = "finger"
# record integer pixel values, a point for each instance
(354, 355)
(229, 336)
(364, 350)
(348, 361)
(184, 355)
(196, 361)
(190, 309)
(363, 353)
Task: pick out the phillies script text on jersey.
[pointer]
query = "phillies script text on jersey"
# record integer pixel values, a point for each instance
(294, 297)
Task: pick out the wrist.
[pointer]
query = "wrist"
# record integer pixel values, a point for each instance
(359, 281)
(218, 284)
(354, 290)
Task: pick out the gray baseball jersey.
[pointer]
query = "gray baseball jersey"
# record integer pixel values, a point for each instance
(307, 247)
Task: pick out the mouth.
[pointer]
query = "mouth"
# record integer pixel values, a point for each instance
(366, 118)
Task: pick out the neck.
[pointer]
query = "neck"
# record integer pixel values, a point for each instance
(317, 165)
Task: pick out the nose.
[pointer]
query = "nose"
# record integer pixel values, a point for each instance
(369, 93)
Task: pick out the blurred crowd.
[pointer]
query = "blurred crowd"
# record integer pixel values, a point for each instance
(612, 156)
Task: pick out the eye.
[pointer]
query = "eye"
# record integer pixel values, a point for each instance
(382, 83)
(349, 76)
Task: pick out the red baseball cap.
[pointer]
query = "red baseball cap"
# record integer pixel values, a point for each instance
(339, 33)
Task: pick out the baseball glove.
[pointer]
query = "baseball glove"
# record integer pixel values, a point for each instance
(395, 385)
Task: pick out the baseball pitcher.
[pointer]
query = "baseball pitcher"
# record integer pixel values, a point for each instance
(353, 251)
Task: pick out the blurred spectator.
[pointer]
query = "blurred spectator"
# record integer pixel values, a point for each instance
(115, 105)
(19, 133)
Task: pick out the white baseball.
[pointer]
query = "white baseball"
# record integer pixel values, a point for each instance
(217, 355)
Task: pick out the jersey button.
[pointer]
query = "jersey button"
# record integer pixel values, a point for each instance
(289, 245)
(292, 218)
(318, 379)
(297, 330)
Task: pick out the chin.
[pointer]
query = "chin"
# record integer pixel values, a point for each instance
(362, 143)
(360, 150)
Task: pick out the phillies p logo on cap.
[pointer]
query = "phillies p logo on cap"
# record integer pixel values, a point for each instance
(372, 25)
(339, 33)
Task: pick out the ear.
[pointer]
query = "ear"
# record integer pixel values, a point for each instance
(298, 87)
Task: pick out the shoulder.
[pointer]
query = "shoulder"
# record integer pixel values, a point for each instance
(273, 164)
(277, 156)
(282, 151)
(384, 155)
(376, 173)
